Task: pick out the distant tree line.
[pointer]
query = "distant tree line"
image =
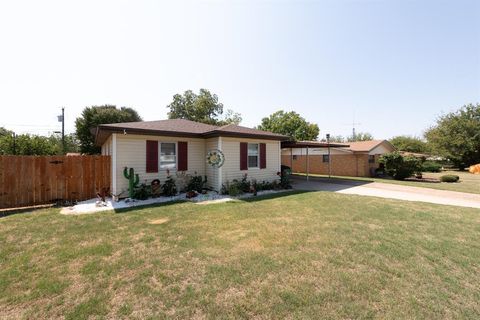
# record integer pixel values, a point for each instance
(35, 145)
(455, 136)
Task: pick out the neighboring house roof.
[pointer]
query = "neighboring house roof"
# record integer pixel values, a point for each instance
(181, 128)
(367, 146)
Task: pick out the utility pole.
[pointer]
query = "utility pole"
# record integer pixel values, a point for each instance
(14, 143)
(62, 119)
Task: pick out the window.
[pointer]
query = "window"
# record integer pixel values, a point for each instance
(253, 155)
(371, 159)
(168, 156)
(326, 158)
(294, 157)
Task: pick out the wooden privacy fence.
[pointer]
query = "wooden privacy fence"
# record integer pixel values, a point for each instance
(33, 180)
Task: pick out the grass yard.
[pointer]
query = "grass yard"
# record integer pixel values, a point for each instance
(303, 255)
(469, 183)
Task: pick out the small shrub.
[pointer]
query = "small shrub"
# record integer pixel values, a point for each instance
(244, 184)
(196, 183)
(142, 192)
(169, 188)
(285, 179)
(449, 178)
(234, 189)
(431, 166)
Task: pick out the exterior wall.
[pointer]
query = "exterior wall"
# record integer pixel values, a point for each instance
(131, 153)
(213, 174)
(353, 165)
(107, 147)
(381, 149)
(231, 167)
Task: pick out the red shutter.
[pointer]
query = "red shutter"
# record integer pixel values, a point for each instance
(263, 155)
(152, 156)
(182, 156)
(243, 156)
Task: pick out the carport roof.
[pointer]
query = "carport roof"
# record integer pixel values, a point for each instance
(312, 144)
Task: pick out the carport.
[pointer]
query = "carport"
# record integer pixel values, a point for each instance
(311, 144)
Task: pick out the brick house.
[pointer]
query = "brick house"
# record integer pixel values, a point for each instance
(358, 159)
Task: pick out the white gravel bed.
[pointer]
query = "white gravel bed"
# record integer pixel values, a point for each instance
(94, 205)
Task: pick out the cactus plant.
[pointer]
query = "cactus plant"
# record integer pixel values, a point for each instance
(133, 180)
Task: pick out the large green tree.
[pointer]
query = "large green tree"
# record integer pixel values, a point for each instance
(290, 124)
(202, 107)
(410, 144)
(456, 136)
(95, 115)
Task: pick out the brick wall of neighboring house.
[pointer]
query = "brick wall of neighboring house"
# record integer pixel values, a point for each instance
(354, 165)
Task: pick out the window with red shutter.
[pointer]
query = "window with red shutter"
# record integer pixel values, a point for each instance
(152, 156)
(243, 156)
(263, 155)
(182, 156)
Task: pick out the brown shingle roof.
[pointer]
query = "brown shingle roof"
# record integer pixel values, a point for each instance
(172, 125)
(233, 129)
(181, 127)
(365, 146)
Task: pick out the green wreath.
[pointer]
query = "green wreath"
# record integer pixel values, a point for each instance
(215, 158)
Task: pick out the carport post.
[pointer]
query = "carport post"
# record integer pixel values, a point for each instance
(291, 159)
(329, 160)
(307, 164)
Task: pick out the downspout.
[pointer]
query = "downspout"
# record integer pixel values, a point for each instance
(219, 185)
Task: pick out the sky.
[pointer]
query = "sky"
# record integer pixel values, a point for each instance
(391, 66)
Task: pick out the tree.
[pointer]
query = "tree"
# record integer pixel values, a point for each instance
(360, 136)
(456, 136)
(36, 145)
(337, 139)
(409, 144)
(290, 124)
(96, 115)
(203, 107)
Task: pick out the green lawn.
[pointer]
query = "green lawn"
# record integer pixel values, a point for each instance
(469, 183)
(303, 255)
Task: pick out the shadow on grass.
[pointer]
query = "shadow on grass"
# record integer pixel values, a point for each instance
(10, 211)
(148, 206)
(316, 183)
(281, 194)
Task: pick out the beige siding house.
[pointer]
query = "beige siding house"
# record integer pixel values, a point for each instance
(181, 146)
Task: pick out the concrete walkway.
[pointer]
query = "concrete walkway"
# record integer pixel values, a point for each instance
(391, 191)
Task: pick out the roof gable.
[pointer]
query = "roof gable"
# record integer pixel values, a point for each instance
(367, 146)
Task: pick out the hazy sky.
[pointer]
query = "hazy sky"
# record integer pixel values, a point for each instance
(396, 64)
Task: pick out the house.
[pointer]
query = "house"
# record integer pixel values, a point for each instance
(177, 145)
(357, 159)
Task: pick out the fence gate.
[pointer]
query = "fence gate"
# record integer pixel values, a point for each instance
(33, 180)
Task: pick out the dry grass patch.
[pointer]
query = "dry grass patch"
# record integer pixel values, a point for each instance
(159, 221)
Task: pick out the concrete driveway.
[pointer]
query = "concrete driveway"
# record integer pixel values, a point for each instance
(390, 191)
